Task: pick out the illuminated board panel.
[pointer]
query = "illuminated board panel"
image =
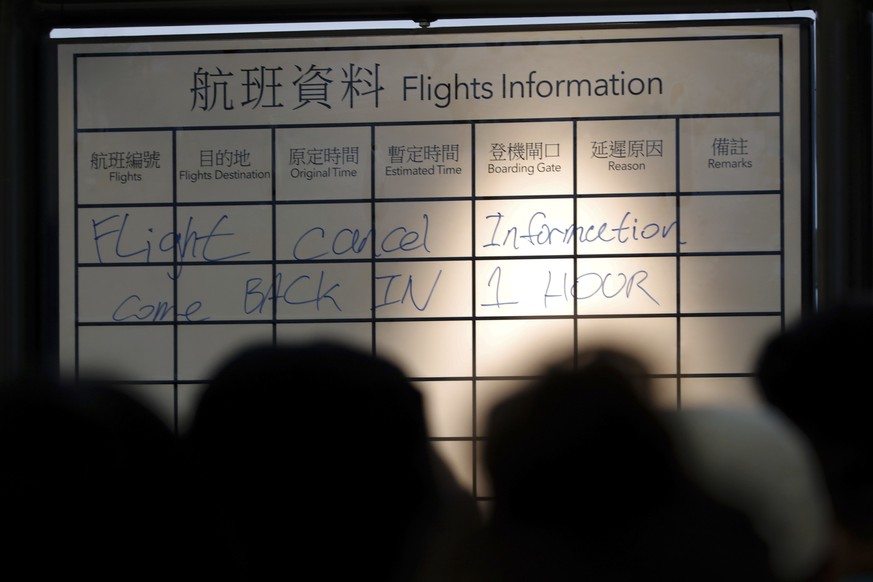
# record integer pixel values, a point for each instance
(469, 205)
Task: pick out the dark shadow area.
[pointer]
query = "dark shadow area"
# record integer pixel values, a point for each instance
(94, 487)
(816, 373)
(587, 487)
(316, 459)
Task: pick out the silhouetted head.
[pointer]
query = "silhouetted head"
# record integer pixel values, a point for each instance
(579, 446)
(89, 485)
(756, 461)
(317, 455)
(817, 373)
(587, 486)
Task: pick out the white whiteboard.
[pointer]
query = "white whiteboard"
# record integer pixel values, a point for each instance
(469, 205)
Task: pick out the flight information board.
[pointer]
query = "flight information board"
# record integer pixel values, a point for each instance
(470, 205)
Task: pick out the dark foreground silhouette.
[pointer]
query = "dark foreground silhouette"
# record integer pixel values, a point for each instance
(316, 459)
(587, 487)
(94, 487)
(817, 373)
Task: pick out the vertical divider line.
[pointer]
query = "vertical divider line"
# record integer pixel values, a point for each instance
(76, 216)
(473, 358)
(175, 290)
(575, 167)
(372, 239)
(782, 184)
(678, 152)
(275, 308)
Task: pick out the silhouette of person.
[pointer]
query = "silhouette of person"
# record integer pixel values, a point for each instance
(93, 486)
(755, 460)
(816, 373)
(316, 459)
(587, 487)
